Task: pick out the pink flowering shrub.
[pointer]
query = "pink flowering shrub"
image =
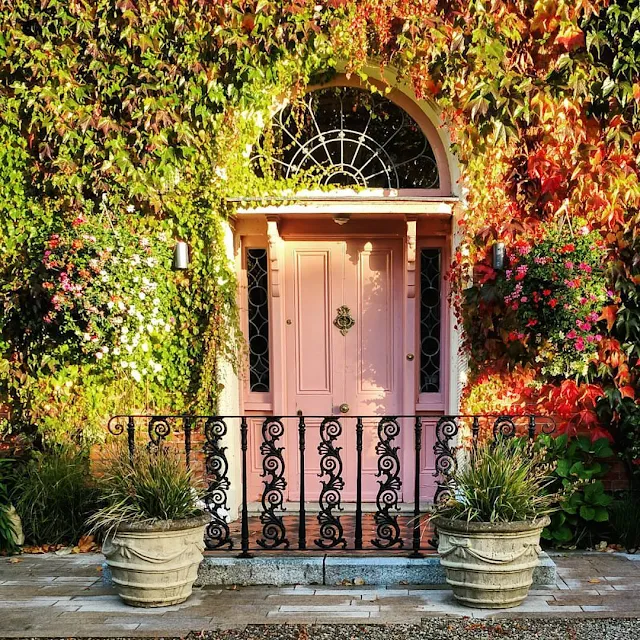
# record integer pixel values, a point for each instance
(98, 296)
(554, 291)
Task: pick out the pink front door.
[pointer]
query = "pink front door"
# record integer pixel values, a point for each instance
(358, 367)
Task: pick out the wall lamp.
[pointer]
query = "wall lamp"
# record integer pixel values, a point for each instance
(181, 256)
(498, 255)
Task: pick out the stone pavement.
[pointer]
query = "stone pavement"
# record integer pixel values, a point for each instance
(53, 596)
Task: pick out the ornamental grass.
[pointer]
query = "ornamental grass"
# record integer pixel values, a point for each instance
(151, 486)
(503, 481)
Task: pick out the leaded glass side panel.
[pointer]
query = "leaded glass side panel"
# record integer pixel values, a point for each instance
(430, 320)
(258, 312)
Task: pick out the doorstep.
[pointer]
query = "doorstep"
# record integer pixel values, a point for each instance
(281, 570)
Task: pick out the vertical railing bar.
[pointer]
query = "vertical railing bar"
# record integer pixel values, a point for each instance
(131, 436)
(187, 441)
(244, 536)
(416, 488)
(532, 428)
(302, 524)
(358, 531)
(475, 432)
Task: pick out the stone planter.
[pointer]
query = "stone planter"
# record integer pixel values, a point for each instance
(489, 565)
(155, 565)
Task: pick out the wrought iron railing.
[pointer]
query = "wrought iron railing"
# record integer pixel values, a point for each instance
(204, 441)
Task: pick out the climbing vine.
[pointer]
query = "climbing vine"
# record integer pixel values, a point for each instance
(153, 111)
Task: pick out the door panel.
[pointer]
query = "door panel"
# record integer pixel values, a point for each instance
(373, 348)
(315, 359)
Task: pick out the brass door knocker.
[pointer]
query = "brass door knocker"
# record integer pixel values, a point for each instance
(344, 321)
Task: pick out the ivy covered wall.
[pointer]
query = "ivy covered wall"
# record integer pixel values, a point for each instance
(131, 121)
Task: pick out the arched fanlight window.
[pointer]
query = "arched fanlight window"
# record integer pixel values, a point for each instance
(349, 137)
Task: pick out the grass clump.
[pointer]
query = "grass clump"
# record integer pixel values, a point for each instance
(503, 481)
(55, 494)
(151, 486)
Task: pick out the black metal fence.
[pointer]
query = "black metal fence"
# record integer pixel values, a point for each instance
(276, 526)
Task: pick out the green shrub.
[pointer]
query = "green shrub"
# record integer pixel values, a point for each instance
(625, 521)
(503, 482)
(583, 501)
(7, 531)
(55, 495)
(153, 485)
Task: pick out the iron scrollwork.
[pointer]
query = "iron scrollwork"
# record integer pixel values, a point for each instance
(446, 464)
(387, 527)
(331, 530)
(159, 430)
(217, 534)
(273, 528)
(344, 320)
(504, 427)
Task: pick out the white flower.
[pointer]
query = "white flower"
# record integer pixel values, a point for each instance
(247, 151)
(125, 330)
(142, 295)
(124, 364)
(121, 305)
(136, 375)
(145, 347)
(99, 355)
(156, 301)
(110, 304)
(150, 327)
(86, 337)
(151, 262)
(105, 349)
(116, 351)
(167, 327)
(129, 349)
(130, 208)
(221, 172)
(221, 281)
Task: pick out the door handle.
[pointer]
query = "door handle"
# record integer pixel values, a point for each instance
(344, 408)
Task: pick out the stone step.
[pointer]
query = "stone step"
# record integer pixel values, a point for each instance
(281, 570)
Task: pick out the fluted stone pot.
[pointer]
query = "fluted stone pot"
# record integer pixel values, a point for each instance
(155, 565)
(489, 566)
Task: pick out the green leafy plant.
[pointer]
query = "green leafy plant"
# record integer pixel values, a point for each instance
(153, 485)
(577, 479)
(55, 494)
(502, 482)
(7, 530)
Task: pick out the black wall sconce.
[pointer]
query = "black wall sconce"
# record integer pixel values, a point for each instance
(181, 256)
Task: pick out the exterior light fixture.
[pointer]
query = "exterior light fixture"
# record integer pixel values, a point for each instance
(498, 255)
(341, 218)
(181, 256)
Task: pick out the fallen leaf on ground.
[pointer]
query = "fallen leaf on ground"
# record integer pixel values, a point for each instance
(65, 551)
(14, 560)
(594, 581)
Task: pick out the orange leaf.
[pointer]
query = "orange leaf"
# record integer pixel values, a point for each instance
(627, 392)
(609, 314)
